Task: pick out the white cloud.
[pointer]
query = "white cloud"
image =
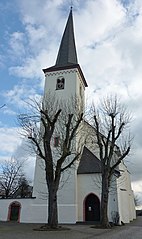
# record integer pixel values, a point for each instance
(8, 111)
(18, 95)
(13, 145)
(17, 44)
(23, 152)
(37, 12)
(31, 68)
(99, 18)
(10, 139)
(36, 36)
(137, 186)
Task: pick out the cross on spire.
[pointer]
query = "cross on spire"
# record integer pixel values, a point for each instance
(71, 4)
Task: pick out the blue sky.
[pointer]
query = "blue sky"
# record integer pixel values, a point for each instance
(109, 44)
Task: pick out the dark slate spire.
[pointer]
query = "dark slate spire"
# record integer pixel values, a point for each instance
(67, 52)
(67, 56)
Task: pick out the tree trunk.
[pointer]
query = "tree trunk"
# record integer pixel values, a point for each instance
(104, 201)
(52, 208)
(6, 193)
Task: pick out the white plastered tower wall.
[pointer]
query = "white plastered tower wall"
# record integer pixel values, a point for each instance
(67, 72)
(73, 85)
(67, 195)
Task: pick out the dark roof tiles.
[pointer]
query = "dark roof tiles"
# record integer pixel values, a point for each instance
(67, 52)
(89, 163)
(67, 56)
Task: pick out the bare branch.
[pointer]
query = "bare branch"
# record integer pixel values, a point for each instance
(38, 147)
(119, 160)
(57, 119)
(71, 163)
(112, 143)
(2, 106)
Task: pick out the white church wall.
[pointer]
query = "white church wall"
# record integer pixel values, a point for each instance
(30, 210)
(4, 207)
(123, 206)
(67, 197)
(125, 198)
(132, 211)
(132, 205)
(34, 211)
(67, 213)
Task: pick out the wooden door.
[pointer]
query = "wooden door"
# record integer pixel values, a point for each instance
(92, 208)
(14, 212)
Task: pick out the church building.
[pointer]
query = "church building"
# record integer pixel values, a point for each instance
(79, 198)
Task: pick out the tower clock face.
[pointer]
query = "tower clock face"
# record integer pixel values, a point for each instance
(60, 83)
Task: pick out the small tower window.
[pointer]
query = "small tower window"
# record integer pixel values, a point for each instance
(80, 91)
(60, 83)
(56, 141)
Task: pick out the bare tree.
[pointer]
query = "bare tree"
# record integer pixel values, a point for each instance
(111, 121)
(54, 142)
(24, 190)
(11, 174)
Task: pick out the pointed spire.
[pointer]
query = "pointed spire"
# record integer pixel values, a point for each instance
(67, 52)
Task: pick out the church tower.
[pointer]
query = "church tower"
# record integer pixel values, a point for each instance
(64, 80)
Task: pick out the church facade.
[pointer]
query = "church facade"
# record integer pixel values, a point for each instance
(79, 198)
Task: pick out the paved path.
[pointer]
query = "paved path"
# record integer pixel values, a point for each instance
(9, 230)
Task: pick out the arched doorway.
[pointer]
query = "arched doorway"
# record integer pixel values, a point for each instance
(92, 208)
(14, 211)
